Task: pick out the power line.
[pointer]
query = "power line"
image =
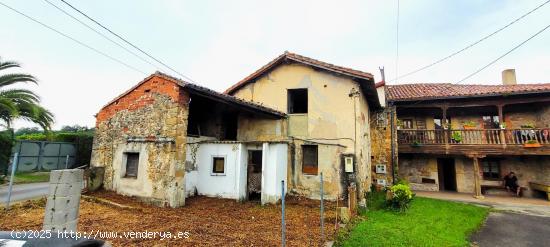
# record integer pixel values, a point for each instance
(470, 45)
(101, 34)
(73, 39)
(494, 61)
(126, 41)
(503, 55)
(397, 42)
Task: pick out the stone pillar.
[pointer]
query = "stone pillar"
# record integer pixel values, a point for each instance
(63, 200)
(477, 178)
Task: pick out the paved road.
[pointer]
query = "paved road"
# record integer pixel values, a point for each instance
(23, 192)
(511, 229)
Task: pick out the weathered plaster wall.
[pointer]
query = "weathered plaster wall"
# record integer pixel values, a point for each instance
(256, 129)
(152, 120)
(329, 165)
(333, 117)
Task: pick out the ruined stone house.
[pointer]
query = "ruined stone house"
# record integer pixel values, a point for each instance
(166, 139)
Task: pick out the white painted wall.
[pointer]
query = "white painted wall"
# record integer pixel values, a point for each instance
(228, 185)
(141, 185)
(274, 170)
(233, 183)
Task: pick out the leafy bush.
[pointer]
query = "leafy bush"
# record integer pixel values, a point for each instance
(6, 144)
(400, 197)
(456, 136)
(376, 199)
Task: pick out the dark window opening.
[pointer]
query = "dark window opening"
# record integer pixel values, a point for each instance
(218, 165)
(229, 126)
(491, 169)
(297, 100)
(438, 123)
(255, 161)
(491, 122)
(310, 160)
(132, 162)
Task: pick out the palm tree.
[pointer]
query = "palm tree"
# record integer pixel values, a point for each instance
(20, 103)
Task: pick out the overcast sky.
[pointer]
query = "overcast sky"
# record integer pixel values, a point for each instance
(217, 43)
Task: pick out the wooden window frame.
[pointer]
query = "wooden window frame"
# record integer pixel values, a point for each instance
(310, 169)
(491, 163)
(213, 171)
(127, 158)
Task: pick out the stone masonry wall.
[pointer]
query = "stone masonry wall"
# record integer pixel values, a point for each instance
(151, 120)
(381, 142)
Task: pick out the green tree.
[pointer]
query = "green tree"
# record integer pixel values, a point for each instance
(16, 103)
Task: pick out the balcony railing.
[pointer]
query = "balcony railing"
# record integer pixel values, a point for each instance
(475, 137)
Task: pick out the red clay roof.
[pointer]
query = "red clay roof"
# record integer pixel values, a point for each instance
(209, 92)
(427, 91)
(300, 59)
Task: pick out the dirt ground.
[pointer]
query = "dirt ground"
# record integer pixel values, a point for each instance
(208, 221)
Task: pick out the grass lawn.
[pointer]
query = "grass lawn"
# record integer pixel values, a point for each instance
(428, 222)
(31, 177)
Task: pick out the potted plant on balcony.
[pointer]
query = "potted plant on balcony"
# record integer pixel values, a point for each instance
(415, 144)
(528, 126)
(532, 144)
(469, 125)
(503, 126)
(456, 136)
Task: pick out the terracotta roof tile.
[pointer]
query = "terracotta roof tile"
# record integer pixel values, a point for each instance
(300, 59)
(423, 91)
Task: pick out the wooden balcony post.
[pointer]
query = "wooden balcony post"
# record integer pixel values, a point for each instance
(501, 121)
(477, 176)
(446, 128)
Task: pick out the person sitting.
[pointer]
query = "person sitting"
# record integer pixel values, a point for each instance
(511, 183)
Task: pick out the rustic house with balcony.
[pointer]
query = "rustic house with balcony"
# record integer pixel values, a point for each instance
(465, 138)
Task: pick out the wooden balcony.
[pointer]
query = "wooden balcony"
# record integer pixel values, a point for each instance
(476, 141)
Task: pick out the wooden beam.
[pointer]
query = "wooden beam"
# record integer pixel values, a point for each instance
(477, 177)
(471, 103)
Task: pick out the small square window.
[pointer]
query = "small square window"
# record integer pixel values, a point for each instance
(218, 165)
(310, 159)
(132, 163)
(491, 169)
(297, 100)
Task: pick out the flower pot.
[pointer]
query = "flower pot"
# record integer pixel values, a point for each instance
(467, 127)
(531, 145)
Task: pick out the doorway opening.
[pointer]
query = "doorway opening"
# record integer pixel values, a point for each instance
(447, 174)
(254, 175)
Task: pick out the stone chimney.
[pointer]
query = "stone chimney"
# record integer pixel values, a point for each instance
(509, 77)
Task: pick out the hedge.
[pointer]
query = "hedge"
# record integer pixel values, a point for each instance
(6, 144)
(82, 139)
